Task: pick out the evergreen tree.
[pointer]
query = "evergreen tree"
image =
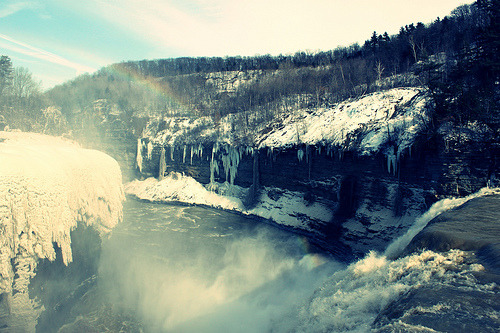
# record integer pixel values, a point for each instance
(6, 71)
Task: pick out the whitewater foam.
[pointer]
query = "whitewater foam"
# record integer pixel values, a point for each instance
(352, 298)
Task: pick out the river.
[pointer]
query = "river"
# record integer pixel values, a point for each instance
(171, 268)
(195, 269)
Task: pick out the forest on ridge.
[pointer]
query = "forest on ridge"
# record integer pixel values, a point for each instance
(455, 58)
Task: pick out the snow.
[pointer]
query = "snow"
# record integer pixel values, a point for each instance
(366, 124)
(283, 207)
(182, 130)
(47, 186)
(180, 188)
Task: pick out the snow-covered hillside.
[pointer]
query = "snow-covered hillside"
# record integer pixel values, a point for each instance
(47, 186)
(385, 120)
(365, 124)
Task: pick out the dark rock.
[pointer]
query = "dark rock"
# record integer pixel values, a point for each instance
(442, 309)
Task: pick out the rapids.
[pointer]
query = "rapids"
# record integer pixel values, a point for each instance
(171, 268)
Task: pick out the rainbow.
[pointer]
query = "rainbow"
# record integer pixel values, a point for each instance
(155, 86)
(310, 260)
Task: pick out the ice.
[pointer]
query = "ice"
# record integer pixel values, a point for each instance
(139, 154)
(214, 165)
(230, 161)
(365, 124)
(392, 161)
(172, 148)
(163, 164)
(150, 150)
(48, 185)
(284, 207)
(300, 155)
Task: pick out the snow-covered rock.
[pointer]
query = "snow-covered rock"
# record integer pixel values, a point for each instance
(283, 207)
(48, 185)
(365, 124)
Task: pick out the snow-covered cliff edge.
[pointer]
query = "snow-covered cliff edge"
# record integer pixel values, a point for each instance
(48, 186)
(374, 162)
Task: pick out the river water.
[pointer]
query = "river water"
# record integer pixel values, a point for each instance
(192, 269)
(170, 268)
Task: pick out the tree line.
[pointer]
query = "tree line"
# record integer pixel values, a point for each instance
(456, 57)
(22, 103)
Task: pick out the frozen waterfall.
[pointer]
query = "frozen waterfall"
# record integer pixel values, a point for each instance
(48, 185)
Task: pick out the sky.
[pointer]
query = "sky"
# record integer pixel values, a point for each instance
(60, 39)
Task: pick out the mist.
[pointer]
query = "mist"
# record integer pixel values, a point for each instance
(217, 272)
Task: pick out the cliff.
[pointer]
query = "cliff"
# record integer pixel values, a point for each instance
(374, 162)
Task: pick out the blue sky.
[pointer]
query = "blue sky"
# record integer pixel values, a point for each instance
(60, 39)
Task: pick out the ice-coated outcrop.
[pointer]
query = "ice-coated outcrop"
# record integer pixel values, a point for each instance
(366, 124)
(385, 122)
(48, 186)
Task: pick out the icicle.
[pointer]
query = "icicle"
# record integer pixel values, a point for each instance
(172, 148)
(200, 149)
(391, 161)
(249, 150)
(191, 153)
(300, 155)
(150, 150)
(235, 158)
(329, 151)
(226, 162)
(270, 151)
(214, 167)
(184, 154)
(318, 149)
(139, 154)
(241, 151)
(163, 164)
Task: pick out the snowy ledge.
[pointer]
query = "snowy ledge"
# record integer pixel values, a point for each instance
(47, 186)
(386, 121)
(365, 124)
(283, 207)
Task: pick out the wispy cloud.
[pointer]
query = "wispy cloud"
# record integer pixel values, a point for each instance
(13, 7)
(34, 52)
(219, 27)
(185, 26)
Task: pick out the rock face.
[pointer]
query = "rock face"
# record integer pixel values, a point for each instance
(374, 161)
(371, 204)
